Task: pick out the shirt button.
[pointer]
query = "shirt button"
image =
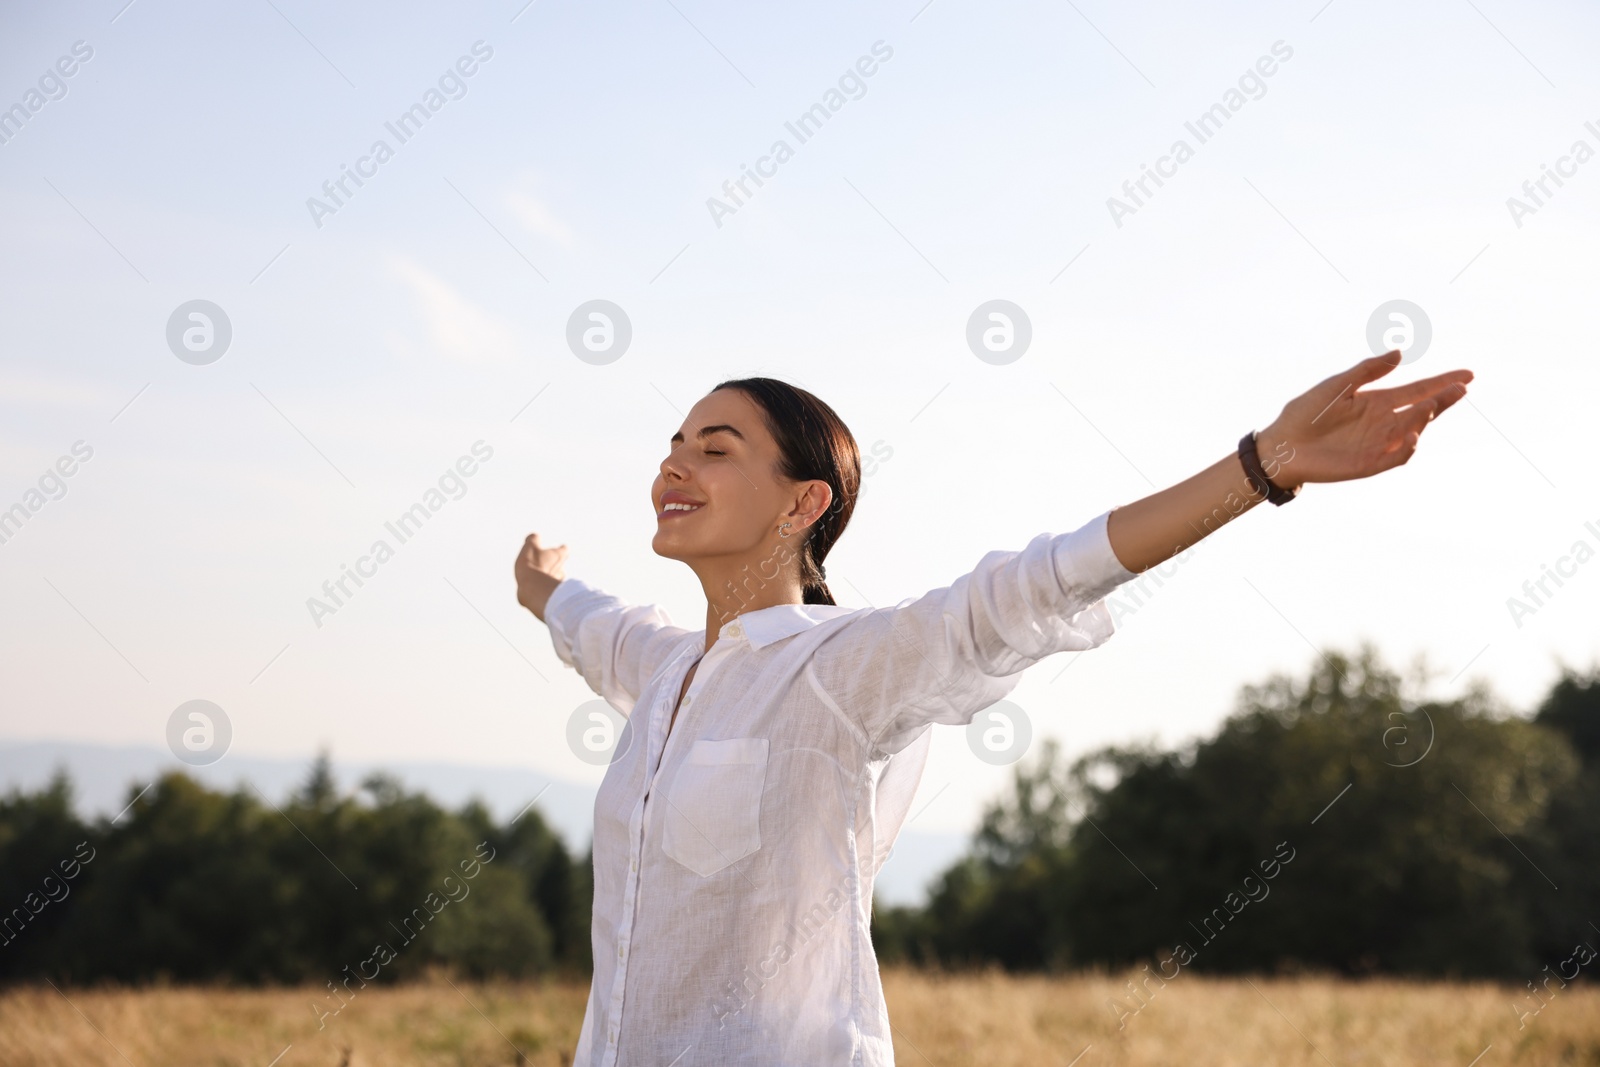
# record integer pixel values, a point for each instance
(735, 630)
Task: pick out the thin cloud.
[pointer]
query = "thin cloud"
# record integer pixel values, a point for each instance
(456, 326)
(537, 218)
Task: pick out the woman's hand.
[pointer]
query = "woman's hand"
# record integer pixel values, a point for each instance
(1334, 431)
(538, 570)
(1330, 433)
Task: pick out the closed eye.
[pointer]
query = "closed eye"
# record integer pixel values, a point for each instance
(711, 452)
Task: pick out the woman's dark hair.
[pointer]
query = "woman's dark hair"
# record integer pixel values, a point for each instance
(813, 444)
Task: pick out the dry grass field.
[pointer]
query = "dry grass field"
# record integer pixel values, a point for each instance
(945, 1021)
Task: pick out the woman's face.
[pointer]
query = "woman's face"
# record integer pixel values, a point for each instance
(718, 492)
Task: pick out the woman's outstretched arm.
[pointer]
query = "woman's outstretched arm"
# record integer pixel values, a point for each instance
(616, 647)
(1333, 432)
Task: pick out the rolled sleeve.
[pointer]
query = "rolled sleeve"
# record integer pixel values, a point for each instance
(616, 647)
(954, 651)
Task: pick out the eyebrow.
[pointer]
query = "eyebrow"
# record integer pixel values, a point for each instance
(707, 431)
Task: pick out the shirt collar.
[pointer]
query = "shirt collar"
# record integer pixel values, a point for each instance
(766, 625)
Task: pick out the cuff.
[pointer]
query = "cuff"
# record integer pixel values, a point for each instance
(556, 608)
(1085, 563)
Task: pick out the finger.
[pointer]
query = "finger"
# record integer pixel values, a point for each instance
(1400, 454)
(1448, 396)
(1343, 385)
(1415, 419)
(1425, 411)
(546, 559)
(1411, 392)
(1370, 370)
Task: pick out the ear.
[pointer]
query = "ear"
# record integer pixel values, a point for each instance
(812, 504)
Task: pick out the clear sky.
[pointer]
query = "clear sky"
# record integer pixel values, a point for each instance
(379, 334)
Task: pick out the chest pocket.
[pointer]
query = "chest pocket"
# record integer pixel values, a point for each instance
(713, 809)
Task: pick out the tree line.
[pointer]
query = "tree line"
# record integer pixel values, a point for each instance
(196, 885)
(1331, 823)
(1429, 838)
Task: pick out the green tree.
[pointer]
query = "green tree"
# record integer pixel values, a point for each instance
(1409, 868)
(1401, 836)
(193, 885)
(42, 846)
(1572, 842)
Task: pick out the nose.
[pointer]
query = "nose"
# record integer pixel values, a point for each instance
(671, 468)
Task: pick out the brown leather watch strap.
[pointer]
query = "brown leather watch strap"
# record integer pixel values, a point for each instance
(1258, 477)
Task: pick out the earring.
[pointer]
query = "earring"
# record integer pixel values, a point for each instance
(782, 528)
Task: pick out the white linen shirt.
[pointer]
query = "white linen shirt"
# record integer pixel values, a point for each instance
(734, 858)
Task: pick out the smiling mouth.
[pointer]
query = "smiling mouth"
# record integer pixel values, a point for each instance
(673, 510)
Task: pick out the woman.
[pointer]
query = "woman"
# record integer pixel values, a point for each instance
(769, 759)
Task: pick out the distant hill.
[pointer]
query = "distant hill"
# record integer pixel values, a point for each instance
(102, 774)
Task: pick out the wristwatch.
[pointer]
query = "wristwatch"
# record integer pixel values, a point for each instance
(1258, 477)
